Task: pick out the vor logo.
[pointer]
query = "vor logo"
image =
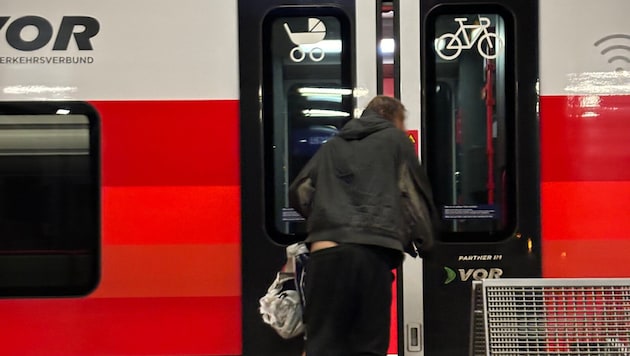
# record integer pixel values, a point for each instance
(614, 48)
(30, 33)
(474, 273)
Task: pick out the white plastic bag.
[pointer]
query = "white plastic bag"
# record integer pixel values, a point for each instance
(281, 307)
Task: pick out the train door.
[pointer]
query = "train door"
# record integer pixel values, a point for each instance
(304, 68)
(472, 67)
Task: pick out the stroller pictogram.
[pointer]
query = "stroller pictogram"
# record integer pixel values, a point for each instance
(316, 33)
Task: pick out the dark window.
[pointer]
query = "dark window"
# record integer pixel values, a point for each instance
(307, 98)
(470, 122)
(49, 199)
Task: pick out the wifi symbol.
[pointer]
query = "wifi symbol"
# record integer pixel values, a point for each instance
(615, 46)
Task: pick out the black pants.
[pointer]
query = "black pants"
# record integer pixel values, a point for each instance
(348, 300)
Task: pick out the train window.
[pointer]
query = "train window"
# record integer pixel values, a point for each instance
(49, 199)
(470, 121)
(307, 97)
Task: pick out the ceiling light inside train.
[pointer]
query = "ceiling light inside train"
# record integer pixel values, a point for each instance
(334, 95)
(308, 91)
(328, 46)
(324, 113)
(63, 111)
(331, 94)
(327, 98)
(439, 44)
(387, 46)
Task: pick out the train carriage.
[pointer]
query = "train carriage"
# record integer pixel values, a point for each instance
(146, 148)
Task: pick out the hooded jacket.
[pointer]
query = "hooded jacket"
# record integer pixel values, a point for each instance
(366, 186)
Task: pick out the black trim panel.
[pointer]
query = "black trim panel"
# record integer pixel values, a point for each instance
(261, 257)
(448, 271)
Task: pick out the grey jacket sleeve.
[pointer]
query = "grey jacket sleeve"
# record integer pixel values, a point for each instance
(419, 211)
(302, 189)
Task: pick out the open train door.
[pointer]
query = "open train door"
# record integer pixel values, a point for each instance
(304, 69)
(469, 69)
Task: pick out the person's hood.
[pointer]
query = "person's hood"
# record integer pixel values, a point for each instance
(369, 123)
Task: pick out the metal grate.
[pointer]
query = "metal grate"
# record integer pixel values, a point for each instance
(477, 327)
(557, 316)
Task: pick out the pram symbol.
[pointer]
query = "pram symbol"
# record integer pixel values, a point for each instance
(316, 33)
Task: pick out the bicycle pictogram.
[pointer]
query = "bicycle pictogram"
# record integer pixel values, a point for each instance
(316, 33)
(486, 41)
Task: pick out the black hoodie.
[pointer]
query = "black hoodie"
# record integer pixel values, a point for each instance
(366, 186)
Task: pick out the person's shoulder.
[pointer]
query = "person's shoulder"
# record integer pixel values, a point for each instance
(394, 133)
(406, 144)
(398, 135)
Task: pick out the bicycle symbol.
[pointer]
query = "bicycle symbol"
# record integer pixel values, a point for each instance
(316, 33)
(479, 33)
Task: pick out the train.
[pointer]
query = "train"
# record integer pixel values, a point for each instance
(147, 148)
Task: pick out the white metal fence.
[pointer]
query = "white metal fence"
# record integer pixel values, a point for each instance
(551, 317)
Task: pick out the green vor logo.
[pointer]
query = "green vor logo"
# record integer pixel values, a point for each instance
(471, 273)
(450, 275)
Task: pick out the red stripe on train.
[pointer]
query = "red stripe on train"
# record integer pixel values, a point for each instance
(585, 186)
(170, 142)
(585, 138)
(600, 258)
(585, 210)
(122, 326)
(171, 215)
(176, 270)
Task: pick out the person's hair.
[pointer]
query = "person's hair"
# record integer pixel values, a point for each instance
(387, 107)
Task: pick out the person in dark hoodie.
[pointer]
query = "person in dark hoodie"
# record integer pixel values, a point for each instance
(366, 200)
